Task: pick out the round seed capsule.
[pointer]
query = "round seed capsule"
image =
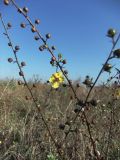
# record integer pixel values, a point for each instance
(25, 9)
(6, 2)
(20, 10)
(111, 33)
(36, 38)
(48, 35)
(37, 21)
(22, 25)
(21, 73)
(116, 53)
(23, 64)
(9, 25)
(10, 60)
(17, 48)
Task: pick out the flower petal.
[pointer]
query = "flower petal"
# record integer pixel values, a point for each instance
(55, 85)
(52, 78)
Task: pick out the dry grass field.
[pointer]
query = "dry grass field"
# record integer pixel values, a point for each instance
(23, 135)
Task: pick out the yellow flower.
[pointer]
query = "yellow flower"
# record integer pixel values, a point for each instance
(56, 79)
(117, 93)
(0, 142)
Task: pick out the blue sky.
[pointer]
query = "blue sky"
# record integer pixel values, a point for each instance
(78, 29)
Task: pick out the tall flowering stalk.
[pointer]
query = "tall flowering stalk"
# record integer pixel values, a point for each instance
(21, 73)
(56, 80)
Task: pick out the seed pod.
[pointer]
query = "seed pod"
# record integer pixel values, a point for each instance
(37, 21)
(45, 46)
(23, 25)
(17, 48)
(94, 102)
(53, 48)
(65, 71)
(88, 82)
(48, 35)
(9, 44)
(61, 126)
(6, 2)
(20, 82)
(107, 67)
(41, 48)
(111, 33)
(34, 85)
(20, 10)
(21, 73)
(64, 61)
(116, 53)
(9, 25)
(64, 85)
(25, 9)
(77, 85)
(27, 98)
(33, 29)
(53, 59)
(36, 38)
(10, 60)
(23, 64)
